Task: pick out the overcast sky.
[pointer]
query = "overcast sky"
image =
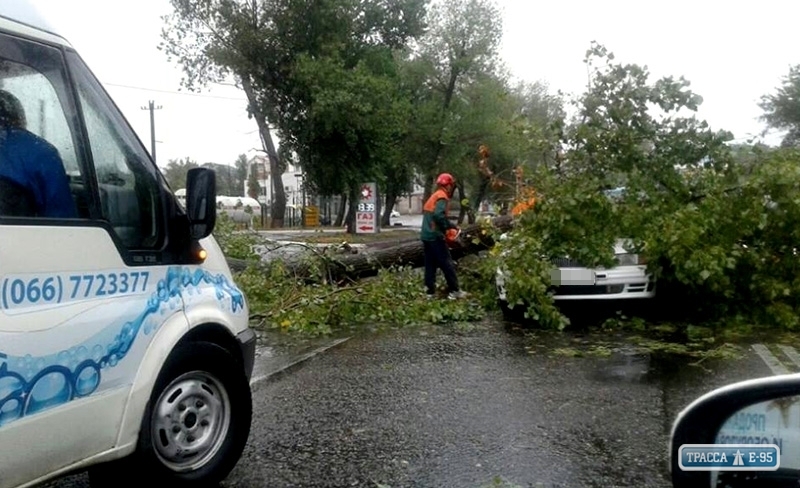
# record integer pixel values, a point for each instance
(732, 52)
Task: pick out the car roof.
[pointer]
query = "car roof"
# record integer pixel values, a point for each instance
(21, 16)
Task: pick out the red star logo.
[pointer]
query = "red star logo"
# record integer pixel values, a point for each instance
(366, 192)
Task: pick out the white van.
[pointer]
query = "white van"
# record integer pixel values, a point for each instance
(124, 342)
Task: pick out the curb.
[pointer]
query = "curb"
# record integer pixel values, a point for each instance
(296, 364)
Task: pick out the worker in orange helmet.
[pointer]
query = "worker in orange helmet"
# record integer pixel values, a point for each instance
(434, 235)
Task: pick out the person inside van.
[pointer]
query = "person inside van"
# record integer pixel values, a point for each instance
(33, 181)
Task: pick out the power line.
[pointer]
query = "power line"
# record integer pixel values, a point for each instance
(176, 92)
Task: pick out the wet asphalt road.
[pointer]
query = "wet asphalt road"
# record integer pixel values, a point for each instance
(444, 407)
(463, 406)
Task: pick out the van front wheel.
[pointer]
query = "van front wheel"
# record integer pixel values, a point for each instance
(198, 419)
(196, 423)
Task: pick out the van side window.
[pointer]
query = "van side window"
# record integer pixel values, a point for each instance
(130, 196)
(39, 171)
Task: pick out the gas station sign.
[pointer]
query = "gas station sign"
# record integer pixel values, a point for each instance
(367, 210)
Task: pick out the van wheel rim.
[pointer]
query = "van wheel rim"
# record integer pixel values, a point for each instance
(190, 421)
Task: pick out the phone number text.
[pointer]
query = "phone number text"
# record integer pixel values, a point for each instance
(22, 292)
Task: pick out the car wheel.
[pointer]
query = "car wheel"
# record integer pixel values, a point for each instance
(516, 314)
(196, 423)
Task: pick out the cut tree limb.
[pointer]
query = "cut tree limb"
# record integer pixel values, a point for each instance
(368, 263)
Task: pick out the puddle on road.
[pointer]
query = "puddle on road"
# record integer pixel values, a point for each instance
(639, 357)
(625, 368)
(647, 367)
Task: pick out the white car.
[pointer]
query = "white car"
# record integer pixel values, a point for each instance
(125, 344)
(571, 281)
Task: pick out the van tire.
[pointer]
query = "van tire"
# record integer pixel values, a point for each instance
(212, 374)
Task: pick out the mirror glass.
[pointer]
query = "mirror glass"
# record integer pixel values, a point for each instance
(201, 204)
(774, 421)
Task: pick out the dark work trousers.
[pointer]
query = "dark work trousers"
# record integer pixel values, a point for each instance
(437, 255)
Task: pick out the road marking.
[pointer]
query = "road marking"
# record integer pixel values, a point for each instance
(770, 360)
(304, 357)
(791, 353)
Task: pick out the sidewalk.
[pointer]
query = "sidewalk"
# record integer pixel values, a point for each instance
(278, 354)
(409, 222)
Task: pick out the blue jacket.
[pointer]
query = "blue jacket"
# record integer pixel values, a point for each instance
(34, 163)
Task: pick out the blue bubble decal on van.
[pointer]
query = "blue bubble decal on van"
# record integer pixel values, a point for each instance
(29, 385)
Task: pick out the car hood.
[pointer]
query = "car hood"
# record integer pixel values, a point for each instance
(619, 244)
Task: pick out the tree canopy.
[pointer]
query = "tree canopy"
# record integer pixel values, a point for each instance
(367, 90)
(782, 108)
(176, 171)
(716, 224)
(398, 91)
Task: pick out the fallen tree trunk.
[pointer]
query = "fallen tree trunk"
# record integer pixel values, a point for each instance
(369, 262)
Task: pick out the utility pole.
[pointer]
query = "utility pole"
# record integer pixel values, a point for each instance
(151, 107)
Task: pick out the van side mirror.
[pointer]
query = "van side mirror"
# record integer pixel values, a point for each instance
(201, 201)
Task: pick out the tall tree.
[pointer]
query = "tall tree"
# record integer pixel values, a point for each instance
(356, 120)
(253, 187)
(241, 173)
(538, 123)
(226, 179)
(516, 125)
(296, 62)
(176, 171)
(223, 41)
(782, 108)
(461, 44)
(463, 99)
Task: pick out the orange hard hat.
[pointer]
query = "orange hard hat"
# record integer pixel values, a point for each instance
(445, 179)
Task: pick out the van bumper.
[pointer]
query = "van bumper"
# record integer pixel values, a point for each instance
(247, 344)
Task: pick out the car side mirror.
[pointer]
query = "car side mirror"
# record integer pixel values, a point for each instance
(201, 202)
(742, 435)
